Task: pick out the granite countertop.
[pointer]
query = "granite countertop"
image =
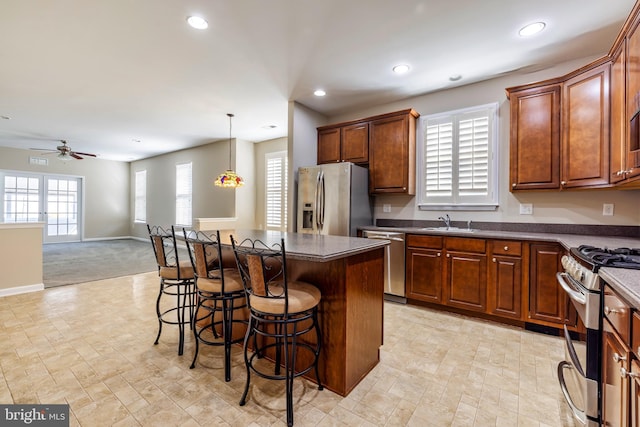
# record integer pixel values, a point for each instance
(309, 247)
(625, 281)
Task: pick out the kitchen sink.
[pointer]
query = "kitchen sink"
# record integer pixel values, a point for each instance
(452, 229)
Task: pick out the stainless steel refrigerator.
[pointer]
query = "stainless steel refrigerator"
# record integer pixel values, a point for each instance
(333, 199)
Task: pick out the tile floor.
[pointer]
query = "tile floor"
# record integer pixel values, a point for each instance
(91, 345)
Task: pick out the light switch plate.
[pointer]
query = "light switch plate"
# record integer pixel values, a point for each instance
(386, 208)
(526, 209)
(607, 209)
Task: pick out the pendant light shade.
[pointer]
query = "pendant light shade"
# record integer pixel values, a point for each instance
(229, 179)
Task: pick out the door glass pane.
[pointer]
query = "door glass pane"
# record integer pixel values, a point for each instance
(62, 205)
(21, 199)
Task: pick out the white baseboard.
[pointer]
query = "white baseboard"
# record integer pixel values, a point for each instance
(21, 290)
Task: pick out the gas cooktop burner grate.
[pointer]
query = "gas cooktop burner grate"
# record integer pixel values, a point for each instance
(620, 257)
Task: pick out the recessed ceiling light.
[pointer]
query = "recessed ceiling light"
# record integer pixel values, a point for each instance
(198, 22)
(401, 69)
(531, 29)
(319, 92)
(455, 77)
(269, 127)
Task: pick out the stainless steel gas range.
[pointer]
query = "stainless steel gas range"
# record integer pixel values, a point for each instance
(579, 374)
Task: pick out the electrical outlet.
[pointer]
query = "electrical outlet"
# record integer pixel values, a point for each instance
(386, 208)
(526, 209)
(607, 209)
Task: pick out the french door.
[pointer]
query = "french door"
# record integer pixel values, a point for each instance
(54, 199)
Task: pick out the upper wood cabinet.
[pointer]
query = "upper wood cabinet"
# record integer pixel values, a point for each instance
(344, 143)
(632, 151)
(618, 138)
(585, 129)
(560, 132)
(535, 138)
(386, 143)
(392, 153)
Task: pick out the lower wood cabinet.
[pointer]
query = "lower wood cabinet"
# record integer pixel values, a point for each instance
(455, 272)
(424, 268)
(548, 303)
(466, 273)
(504, 290)
(615, 394)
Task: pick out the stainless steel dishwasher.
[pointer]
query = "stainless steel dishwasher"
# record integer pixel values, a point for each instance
(393, 264)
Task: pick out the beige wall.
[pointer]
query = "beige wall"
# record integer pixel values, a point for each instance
(106, 198)
(578, 207)
(20, 257)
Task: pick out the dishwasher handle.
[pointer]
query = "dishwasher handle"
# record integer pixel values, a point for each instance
(383, 236)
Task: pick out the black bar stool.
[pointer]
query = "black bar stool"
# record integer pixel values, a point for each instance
(219, 295)
(176, 280)
(281, 312)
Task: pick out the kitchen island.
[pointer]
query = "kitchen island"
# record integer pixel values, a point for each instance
(349, 273)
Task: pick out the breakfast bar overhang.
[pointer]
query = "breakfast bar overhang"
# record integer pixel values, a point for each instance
(349, 273)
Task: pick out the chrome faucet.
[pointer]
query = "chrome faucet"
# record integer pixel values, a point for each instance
(446, 220)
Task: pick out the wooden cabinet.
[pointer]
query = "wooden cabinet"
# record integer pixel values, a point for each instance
(535, 138)
(347, 143)
(504, 287)
(548, 303)
(328, 145)
(616, 360)
(632, 151)
(585, 129)
(466, 273)
(454, 271)
(392, 148)
(424, 268)
(619, 128)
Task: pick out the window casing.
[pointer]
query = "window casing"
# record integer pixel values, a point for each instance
(276, 167)
(140, 201)
(457, 160)
(183, 195)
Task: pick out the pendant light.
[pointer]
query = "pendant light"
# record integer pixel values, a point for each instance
(229, 179)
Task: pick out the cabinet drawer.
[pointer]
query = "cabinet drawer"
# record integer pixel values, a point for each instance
(618, 313)
(505, 247)
(422, 241)
(466, 244)
(635, 333)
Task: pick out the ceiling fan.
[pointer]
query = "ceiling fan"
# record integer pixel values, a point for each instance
(65, 152)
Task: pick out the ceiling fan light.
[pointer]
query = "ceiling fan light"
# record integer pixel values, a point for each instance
(65, 157)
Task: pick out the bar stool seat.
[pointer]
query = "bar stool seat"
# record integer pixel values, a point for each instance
(301, 297)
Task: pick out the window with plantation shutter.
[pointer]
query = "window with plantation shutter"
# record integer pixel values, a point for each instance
(183, 194)
(458, 167)
(276, 190)
(140, 201)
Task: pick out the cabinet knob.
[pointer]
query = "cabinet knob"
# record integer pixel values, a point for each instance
(448, 255)
(629, 170)
(617, 358)
(620, 173)
(563, 182)
(506, 248)
(439, 254)
(513, 185)
(493, 259)
(630, 374)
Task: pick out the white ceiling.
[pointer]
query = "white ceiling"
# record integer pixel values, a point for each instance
(130, 79)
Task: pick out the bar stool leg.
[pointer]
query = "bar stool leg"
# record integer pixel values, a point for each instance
(247, 365)
(158, 312)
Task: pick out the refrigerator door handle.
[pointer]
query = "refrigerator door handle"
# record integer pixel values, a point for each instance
(317, 202)
(321, 207)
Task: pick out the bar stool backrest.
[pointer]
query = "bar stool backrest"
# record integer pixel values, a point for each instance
(164, 246)
(262, 268)
(205, 252)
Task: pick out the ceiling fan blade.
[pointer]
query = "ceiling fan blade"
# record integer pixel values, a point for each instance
(84, 154)
(44, 149)
(75, 156)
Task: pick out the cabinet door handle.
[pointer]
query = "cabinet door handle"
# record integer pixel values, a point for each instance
(630, 374)
(629, 170)
(608, 311)
(617, 358)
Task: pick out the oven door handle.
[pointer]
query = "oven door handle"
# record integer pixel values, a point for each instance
(579, 414)
(574, 294)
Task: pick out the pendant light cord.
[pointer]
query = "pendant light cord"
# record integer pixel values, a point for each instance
(230, 117)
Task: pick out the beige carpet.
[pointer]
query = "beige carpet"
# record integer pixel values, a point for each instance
(68, 263)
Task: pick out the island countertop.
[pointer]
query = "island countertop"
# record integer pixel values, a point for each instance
(310, 247)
